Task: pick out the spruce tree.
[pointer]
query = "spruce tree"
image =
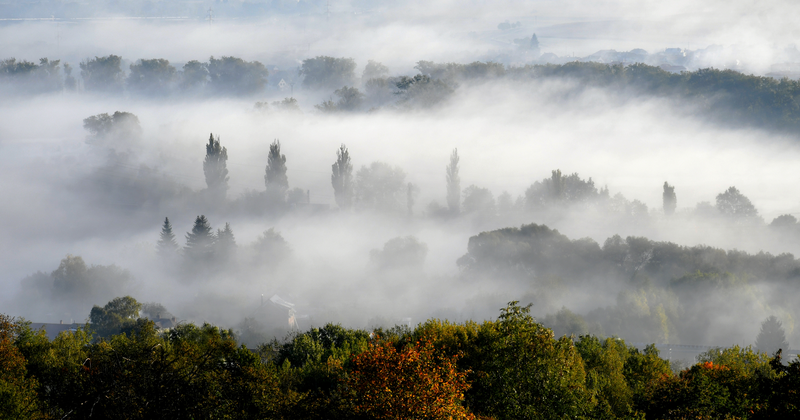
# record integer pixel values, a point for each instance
(215, 166)
(453, 184)
(225, 244)
(342, 178)
(275, 177)
(670, 200)
(167, 245)
(200, 240)
(772, 337)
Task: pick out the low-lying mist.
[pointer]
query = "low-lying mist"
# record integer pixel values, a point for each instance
(105, 201)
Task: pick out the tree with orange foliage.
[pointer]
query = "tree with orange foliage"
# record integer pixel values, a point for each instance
(17, 393)
(415, 382)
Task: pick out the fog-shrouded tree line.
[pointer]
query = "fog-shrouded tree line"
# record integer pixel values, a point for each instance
(726, 96)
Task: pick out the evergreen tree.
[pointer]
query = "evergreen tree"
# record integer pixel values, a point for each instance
(275, 178)
(200, 240)
(772, 337)
(670, 200)
(215, 167)
(167, 244)
(453, 184)
(342, 178)
(225, 244)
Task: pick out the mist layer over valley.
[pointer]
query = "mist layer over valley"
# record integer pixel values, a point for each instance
(535, 155)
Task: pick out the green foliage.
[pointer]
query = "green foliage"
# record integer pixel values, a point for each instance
(116, 316)
(18, 397)
(526, 372)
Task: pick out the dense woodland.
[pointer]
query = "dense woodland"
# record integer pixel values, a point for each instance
(505, 369)
(726, 96)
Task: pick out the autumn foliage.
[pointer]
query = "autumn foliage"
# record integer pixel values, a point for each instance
(414, 382)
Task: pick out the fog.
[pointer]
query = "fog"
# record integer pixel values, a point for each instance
(106, 201)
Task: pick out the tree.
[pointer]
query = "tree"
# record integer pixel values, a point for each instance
(669, 199)
(119, 128)
(232, 75)
(275, 177)
(102, 74)
(152, 77)
(225, 243)
(342, 178)
(381, 187)
(772, 337)
(200, 240)
(416, 382)
(478, 200)
(350, 99)
(327, 72)
(167, 245)
(735, 205)
(453, 184)
(215, 167)
(118, 314)
(194, 75)
(524, 372)
(400, 253)
(534, 45)
(18, 399)
(374, 70)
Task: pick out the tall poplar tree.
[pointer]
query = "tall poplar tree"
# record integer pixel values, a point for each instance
(670, 200)
(342, 178)
(275, 177)
(215, 166)
(453, 184)
(167, 245)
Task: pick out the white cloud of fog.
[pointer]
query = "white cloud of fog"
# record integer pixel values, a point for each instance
(507, 136)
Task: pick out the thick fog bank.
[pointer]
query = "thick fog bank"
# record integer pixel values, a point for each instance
(106, 199)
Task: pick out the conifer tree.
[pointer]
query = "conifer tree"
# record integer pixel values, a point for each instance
(772, 337)
(225, 244)
(215, 166)
(275, 177)
(200, 240)
(670, 200)
(453, 184)
(167, 245)
(342, 178)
